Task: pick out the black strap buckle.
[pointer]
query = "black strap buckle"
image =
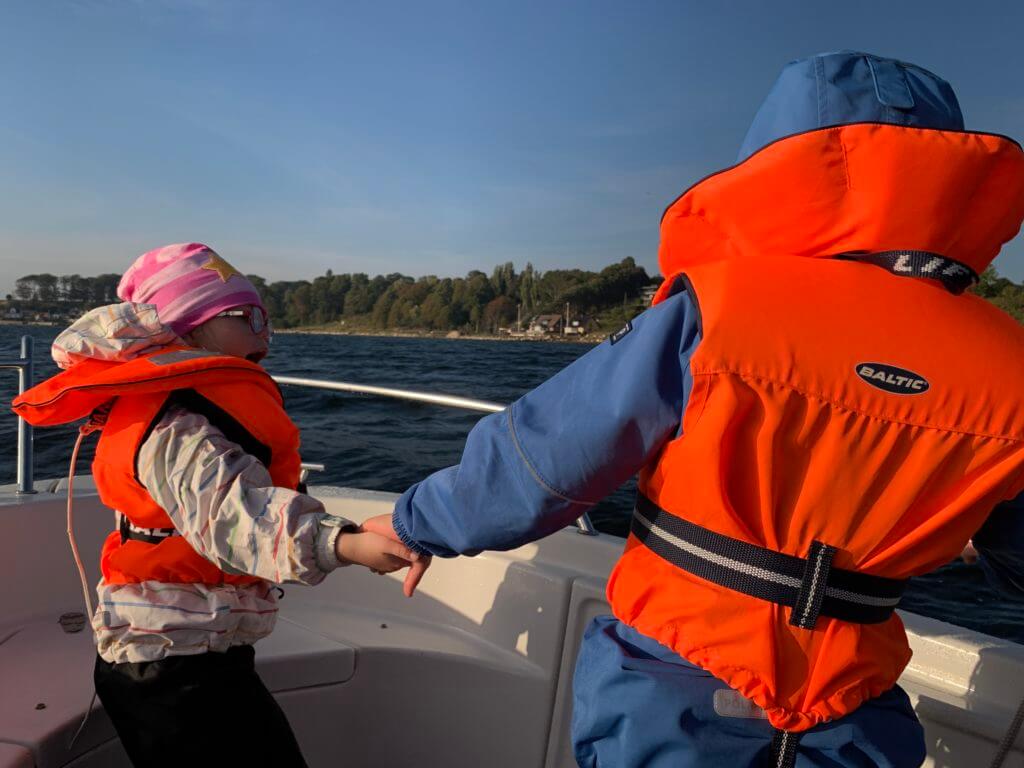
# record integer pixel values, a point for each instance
(811, 595)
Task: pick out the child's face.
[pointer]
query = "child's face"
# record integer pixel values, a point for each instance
(231, 336)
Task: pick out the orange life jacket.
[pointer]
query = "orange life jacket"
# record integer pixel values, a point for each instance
(238, 396)
(786, 441)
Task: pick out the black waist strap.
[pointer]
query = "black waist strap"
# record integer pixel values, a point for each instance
(130, 532)
(810, 586)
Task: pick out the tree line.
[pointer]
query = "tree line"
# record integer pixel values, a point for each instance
(477, 302)
(1001, 291)
(47, 291)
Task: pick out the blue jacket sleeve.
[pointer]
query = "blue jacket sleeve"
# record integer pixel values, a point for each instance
(531, 469)
(1000, 542)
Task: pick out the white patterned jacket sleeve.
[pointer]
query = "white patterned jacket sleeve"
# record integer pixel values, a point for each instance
(224, 502)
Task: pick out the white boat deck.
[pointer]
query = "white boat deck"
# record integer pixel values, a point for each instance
(475, 670)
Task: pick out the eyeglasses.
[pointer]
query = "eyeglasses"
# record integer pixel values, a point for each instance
(257, 317)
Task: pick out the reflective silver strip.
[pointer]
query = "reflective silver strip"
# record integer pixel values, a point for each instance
(857, 597)
(726, 562)
(760, 573)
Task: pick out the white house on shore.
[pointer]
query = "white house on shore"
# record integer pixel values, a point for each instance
(544, 325)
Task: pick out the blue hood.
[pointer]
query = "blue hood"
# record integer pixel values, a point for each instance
(851, 87)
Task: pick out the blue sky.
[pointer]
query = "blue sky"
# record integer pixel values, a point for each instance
(420, 137)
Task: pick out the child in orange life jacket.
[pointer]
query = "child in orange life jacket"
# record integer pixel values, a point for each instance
(213, 522)
(817, 411)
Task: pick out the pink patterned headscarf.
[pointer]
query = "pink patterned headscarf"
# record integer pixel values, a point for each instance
(189, 284)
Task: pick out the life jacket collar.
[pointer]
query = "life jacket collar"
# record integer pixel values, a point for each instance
(91, 384)
(864, 187)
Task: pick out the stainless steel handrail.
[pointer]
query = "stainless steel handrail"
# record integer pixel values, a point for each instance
(451, 401)
(583, 523)
(308, 466)
(26, 371)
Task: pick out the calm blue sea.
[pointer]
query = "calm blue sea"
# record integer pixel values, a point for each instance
(387, 445)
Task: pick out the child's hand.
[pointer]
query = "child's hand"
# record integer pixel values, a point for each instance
(376, 552)
(970, 554)
(381, 524)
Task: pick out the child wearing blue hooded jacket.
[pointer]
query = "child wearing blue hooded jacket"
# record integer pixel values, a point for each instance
(637, 702)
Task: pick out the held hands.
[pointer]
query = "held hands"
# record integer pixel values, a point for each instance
(380, 526)
(376, 546)
(378, 553)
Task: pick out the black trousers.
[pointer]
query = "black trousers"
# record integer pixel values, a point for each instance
(208, 709)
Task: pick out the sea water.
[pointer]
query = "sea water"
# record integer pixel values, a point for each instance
(379, 444)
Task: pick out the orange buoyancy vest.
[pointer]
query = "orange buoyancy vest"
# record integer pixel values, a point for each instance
(238, 396)
(783, 443)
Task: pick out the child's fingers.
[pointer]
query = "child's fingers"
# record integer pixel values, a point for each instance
(397, 549)
(970, 554)
(389, 563)
(415, 574)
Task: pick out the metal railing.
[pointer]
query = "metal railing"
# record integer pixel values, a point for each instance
(25, 370)
(583, 522)
(450, 401)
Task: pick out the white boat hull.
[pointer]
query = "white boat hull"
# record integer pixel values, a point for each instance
(475, 670)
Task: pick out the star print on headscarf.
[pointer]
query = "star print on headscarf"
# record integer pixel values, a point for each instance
(221, 267)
